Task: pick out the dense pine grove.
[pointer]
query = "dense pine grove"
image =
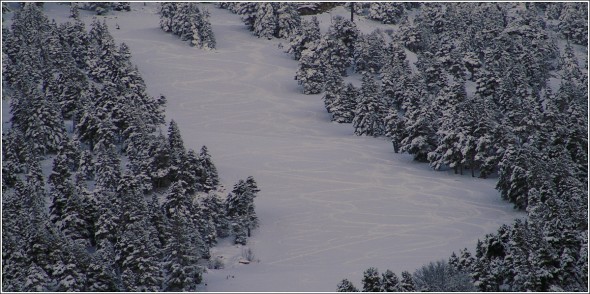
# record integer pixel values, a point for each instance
(125, 206)
(188, 22)
(496, 90)
(481, 100)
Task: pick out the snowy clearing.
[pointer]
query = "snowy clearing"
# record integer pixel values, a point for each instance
(332, 204)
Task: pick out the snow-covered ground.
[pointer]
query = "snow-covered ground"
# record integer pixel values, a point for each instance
(332, 204)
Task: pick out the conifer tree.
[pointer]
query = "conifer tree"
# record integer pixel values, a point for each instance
(140, 269)
(310, 72)
(394, 128)
(371, 281)
(288, 19)
(333, 87)
(121, 6)
(420, 131)
(239, 207)
(15, 231)
(247, 11)
(160, 222)
(407, 283)
(213, 209)
(343, 107)
(136, 251)
(266, 20)
(181, 263)
(167, 13)
(303, 36)
(101, 273)
(37, 279)
(346, 286)
(396, 75)
(389, 282)
(209, 177)
(43, 124)
(345, 31)
(177, 152)
(453, 129)
(334, 53)
(369, 112)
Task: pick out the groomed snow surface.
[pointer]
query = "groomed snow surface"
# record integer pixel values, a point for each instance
(332, 204)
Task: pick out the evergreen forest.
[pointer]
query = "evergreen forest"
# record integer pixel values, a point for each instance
(100, 193)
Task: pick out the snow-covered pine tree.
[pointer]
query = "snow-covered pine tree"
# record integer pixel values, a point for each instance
(344, 105)
(42, 125)
(394, 128)
(61, 187)
(70, 272)
(334, 53)
(389, 282)
(15, 231)
(101, 273)
(371, 280)
(207, 36)
(266, 24)
(420, 131)
(177, 151)
(188, 22)
(369, 53)
(107, 167)
(395, 75)
(135, 250)
(435, 78)
(239, 207)
(307, 33)
(168, 11)
(121, 6)
(13, 156)
(100, 8)
(212, 207)
(74, 10)
(184, 247)
(74, 35)
(346, 31)
(370, 111)
(191, 173)
(288, 19)
(573, 22)
(361, 55)
(182, 255)
(248, 11)
(346, 286)
(407, 283)
(452, 130)
(209, 177)
(38, 279)
(387, 12)
(333, 86)
(231, 6)
(310, 72)
(194, 23)
(102, 53)
(140, 268)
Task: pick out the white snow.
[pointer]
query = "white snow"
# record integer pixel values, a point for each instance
(332, 204)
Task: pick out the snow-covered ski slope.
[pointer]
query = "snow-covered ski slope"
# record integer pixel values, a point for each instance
(332, 204)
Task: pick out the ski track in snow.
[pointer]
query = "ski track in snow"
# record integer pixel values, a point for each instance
(332, 204)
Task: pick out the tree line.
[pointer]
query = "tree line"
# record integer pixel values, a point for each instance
(97, 196)
(480, 97)
(188, 22)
